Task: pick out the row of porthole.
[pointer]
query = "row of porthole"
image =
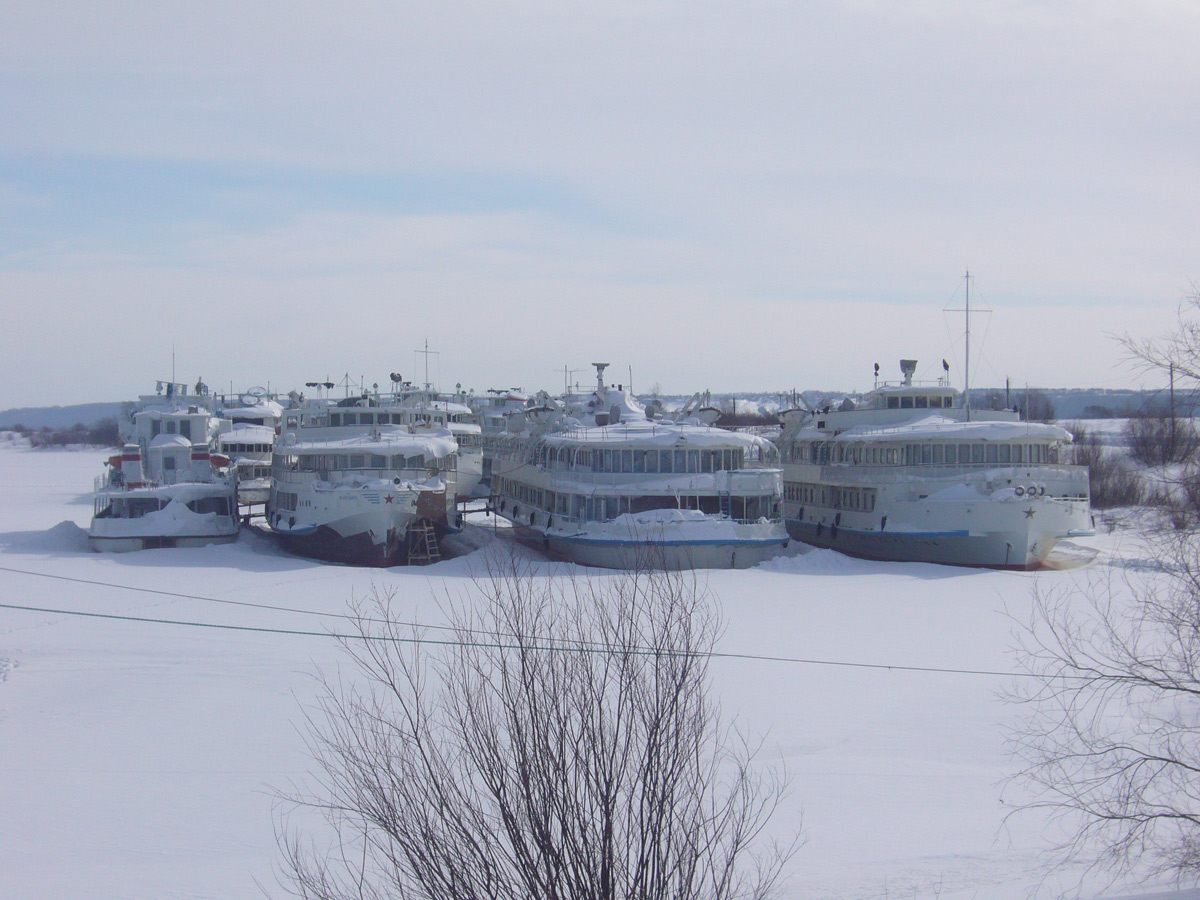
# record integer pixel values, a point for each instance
(1034, 490)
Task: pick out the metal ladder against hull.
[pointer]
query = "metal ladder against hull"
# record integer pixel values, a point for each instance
(423, 547)
(726, 504)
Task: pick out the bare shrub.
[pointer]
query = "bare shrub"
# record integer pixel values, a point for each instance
(1161, 440)
(563, 744)
(1112, 481)
(1110, 740)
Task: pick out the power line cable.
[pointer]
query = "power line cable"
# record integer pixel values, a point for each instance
(587, 648)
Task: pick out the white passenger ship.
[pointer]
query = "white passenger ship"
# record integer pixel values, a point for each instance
(375, 497)
(166, 488)
(415, 409)
(915, 474)
(603, 485)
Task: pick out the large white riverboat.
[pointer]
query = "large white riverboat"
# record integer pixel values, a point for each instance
(600, 483)
(913, 473)
(165, 488)
(378, 497)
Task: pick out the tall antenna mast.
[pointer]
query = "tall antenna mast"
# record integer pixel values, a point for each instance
(967, 367)
(427, 353)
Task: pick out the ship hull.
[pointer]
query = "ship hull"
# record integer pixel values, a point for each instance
(607, 551)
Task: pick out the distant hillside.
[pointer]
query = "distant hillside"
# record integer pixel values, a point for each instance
(88, 414)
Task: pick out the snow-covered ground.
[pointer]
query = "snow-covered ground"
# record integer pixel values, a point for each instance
(139, 759)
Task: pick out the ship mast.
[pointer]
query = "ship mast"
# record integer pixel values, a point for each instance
(967, 367)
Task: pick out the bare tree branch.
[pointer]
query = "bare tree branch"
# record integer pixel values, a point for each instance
(567, 748)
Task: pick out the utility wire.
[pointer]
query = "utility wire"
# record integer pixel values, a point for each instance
(596, 648)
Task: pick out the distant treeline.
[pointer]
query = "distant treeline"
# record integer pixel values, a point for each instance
(103, 433)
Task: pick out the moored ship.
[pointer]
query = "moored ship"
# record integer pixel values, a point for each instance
(600, 483)
(913, 473)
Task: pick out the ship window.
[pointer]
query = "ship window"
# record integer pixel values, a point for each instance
(680, 461)
(906, 402)
(626, 460)
(612, 508)
(977, 453)
(415, 462)
(706, 460)
(651, 461)
(639, 461)
(171, 427)
(939, 454)
(1005, 453)
(922, 402)
(358, 461)
(926, 454)
(378, 462)
(693, 461)
(990, 451)
(185, 428)
(893, 402)
(168, 463)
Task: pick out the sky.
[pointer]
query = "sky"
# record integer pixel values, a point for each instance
(740, 197)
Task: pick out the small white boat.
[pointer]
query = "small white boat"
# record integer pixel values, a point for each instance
(166, 488)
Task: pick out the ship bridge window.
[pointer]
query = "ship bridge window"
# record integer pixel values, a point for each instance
(652, 459)
(939, 454)
(378, 462)
(893, 402)
(205, 505)
(906, 402)
(1005, 451)
(976, 453)
(990, 454)
(922, 402)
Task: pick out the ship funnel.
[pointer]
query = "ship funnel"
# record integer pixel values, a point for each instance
(131, 465)
(908, 367)
(600, 367)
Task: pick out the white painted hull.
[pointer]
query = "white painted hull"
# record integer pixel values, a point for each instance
(365, 527)
(967, 525)
(174, 525)
(108, 544)
(700, 544)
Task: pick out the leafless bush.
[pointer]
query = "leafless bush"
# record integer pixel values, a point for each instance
(563, 744)
(1112, 481)
(1161, 440)
(1110, 741)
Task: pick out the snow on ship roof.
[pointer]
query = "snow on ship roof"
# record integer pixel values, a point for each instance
(943, 427)
(653, 434)
(437, 444)
(170, 440)
(244, 431)
(263, 408)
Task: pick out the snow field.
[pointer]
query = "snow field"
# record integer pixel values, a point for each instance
(139, 759)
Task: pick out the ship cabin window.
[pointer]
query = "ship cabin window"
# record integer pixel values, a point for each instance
(939, 454)
(378, 462)
(922, 402)
(171, 426)
(990, 454)
(1005, 453)
(893, 402)
(335, 419)
(906, 402)
(185, 428)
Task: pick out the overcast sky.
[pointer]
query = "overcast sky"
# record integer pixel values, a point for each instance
(735, 196)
